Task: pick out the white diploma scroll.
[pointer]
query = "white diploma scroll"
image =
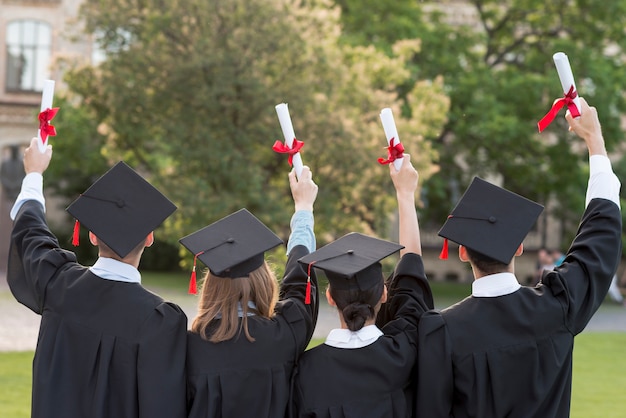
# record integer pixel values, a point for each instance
(566, 76)
(389, 125)
(285, 124)
(46, 103)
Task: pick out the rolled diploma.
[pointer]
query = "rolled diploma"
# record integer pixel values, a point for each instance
(46, 103)
(389, 125)
(565, 75)
(285, 124)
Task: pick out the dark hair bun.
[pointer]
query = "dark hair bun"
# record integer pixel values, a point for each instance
(355, 315)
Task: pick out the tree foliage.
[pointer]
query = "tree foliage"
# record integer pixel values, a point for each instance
(187, 96)
(498, 70)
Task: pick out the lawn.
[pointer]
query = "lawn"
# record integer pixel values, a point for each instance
(599, 378)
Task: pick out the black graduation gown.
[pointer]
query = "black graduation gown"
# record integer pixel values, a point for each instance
(372, 381)
(511, 356)
(239, 378)
(106, 349)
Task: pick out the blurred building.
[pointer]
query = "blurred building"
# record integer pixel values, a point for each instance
(35, 37)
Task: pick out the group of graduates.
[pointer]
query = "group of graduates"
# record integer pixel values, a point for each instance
(109, 348)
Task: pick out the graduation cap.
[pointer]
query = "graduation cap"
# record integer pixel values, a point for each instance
(490, 220)
(121, 208)
(352, 261)
(232, 247)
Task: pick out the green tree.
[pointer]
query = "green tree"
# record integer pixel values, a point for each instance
(498, 70)
(187, 95)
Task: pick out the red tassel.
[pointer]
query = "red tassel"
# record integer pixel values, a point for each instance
(444, 251)
(76, 233)
(193, 287)
(307, 296)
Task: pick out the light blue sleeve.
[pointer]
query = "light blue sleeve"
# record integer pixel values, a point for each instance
(302, 231)
(32, 189)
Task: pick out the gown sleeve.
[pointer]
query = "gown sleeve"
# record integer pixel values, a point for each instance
(408, 295)
(35, 257)
(582, 281)
(293, 289)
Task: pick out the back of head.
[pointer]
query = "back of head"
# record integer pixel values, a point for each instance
(486, 264)
(223, 300)
(134, 254)
(357, 306)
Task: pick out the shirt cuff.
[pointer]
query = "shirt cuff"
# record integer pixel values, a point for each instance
(32, 189)
(302, 223)
(603, 183)
(599, 164)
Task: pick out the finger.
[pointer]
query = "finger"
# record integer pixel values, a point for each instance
(293, 181)
(392, 169)
(306, 173)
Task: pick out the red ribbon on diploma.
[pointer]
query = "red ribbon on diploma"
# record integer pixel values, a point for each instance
(567, 100)
(284, 149)
(393, 152)
(45, 128)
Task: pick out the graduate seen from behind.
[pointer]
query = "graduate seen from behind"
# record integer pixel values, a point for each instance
(248, 333)
(364, 371)
(107, 348)
(506, 351)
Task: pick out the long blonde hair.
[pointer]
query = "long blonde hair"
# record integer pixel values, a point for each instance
(222, 296)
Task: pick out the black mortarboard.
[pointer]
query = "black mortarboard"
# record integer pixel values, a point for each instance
(491, 220)
(233, 246)
(121, 208)
(352, 261)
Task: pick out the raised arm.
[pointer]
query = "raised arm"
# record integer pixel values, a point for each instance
(296, 285)
(409, 293)
(594, 255)
(405, 183)
(35, 163)
(35, 254)
(603, 183)
(304, 192)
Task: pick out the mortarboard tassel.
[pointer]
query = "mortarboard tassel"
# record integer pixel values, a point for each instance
(193, 287)
(76, 234)
(307, 295)
(443, 255)
(444, 250)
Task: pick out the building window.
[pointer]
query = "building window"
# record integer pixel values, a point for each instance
(28, 55)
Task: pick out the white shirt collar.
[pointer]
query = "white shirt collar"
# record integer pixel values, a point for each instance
(493, 285)
(344, 338)
(111, 269)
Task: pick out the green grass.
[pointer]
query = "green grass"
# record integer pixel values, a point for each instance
(599, 378)
(15, 382)
(599, 375)
(174, 281)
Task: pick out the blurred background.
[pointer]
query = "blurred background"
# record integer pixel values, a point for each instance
(184, 91)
